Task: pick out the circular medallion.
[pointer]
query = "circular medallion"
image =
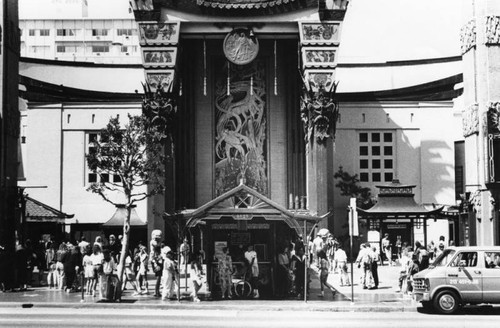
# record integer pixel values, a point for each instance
(241, 46)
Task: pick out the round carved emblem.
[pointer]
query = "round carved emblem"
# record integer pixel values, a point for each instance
(241, 46)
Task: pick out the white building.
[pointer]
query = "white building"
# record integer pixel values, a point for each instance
(79, 30)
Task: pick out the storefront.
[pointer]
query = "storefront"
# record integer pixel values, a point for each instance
(237, 219)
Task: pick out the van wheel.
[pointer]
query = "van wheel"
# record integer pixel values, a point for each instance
(446, 302)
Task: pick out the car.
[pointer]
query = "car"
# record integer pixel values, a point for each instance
(459, 276)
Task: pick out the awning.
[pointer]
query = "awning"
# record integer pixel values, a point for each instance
(245, 203)
(396, 201)
(119, 217)
(37, 211)
(242, 4)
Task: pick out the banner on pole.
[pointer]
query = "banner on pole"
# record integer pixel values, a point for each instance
(353, 218)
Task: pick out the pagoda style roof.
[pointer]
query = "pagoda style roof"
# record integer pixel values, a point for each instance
(37, 211)
(397, 200)
(118, 218)
(244, 203)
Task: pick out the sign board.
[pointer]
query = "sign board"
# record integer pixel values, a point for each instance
(353, 218)
(218, 246)
(240, 238)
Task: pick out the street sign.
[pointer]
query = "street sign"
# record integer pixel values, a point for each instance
(353, 218)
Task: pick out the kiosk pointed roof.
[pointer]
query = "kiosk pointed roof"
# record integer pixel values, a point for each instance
(397, 200)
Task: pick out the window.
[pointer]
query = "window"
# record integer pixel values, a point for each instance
(66, 48)
(60, 49)
(376, 156)
(44, 32)
(492, 260)
(103, 48)
(466, 259)
(125, 31)
(99, 32)
(66, 32)
(31, 32)
(93, 175)
(39, 49)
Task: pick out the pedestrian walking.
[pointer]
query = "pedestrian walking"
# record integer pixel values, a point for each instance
(323, 274)
(406, 263)
(96, 258)
(283, 269)
(387, 249)
(225, 270)
(341, 262)
(88, 270)
(60, 255)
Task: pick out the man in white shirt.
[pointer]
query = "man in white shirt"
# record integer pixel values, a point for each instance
(341, 263)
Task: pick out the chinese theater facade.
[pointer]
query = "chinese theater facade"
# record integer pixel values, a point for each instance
(254, 84)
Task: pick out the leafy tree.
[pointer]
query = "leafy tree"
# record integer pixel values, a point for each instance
(134, 156)
(349, 186)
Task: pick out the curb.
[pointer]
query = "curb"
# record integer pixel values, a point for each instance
(211, 307)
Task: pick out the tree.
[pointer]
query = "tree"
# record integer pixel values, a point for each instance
(134, 157)
(348, 185)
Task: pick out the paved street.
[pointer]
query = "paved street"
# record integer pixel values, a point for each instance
(233, 318)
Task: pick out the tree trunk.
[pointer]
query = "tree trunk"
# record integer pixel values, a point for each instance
(125, 245)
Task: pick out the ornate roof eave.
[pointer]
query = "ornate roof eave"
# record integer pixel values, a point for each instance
(242, 4)
(419, 212)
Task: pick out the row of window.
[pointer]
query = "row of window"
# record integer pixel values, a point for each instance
(77, 49)
(72, 32)
(98, 176)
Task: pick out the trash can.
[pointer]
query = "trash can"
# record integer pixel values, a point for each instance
(110, 287)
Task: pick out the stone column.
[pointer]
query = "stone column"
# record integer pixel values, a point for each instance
(480, 42)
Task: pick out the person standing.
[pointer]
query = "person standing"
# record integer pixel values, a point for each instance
(142, 273)
(96, 258)
(318, 245)
(196, 275)
(157, 265)
(341, 260)
(225, 268)
(253, 267)
(364, 261)
(169, 272)
(387, 249)
(115, 248)
(185, 251)
(83, 244)
(323, 266)
(374, 266)
(283, 272)
(298, 268)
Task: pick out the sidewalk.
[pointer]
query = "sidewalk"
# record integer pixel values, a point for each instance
(383, 299)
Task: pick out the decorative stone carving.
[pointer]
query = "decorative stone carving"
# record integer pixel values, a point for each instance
(470, 120)
(475, 201)
(241, 46)
(319, 33)
(163, 79)
(493, 115)
(319, 56)
(468, 36)
(493, 30)
(159, 57)
(159, 33)
(319, 113)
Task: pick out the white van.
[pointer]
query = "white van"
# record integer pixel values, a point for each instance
(459, 276)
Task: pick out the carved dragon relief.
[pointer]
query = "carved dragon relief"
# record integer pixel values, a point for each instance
(468, 36)
(493, 30)
(319, 113)
(470, 120)
(160, 108)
